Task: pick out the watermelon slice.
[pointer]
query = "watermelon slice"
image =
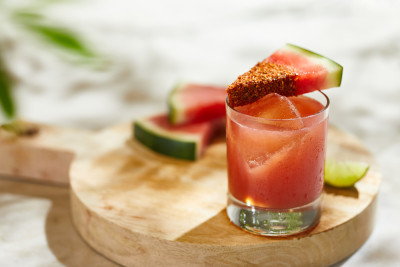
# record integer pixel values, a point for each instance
(290, 71)
(190, 103)
(179, 141)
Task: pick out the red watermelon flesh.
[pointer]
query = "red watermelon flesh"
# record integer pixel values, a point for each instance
(186, 141)
(163, 123)
(192, 103)
(290, 71)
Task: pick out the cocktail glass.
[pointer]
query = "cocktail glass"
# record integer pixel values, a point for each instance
(276, 167)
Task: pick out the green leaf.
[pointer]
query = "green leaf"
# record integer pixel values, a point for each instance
(61, 38)
(6, 100)
(57, 36)
(26, 16)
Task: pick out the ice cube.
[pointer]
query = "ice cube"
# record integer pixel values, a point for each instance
(258, 160)
(306, 106)
(286, 153)
(279, 111)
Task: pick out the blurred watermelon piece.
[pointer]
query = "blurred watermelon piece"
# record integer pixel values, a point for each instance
(186, 141)
(191, 103)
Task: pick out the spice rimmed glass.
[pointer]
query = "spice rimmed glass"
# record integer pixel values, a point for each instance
(276, 169)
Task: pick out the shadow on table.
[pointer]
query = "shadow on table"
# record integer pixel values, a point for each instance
(62, 238)
(346, 192)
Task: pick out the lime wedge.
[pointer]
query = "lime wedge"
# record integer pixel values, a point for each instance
(344, 173)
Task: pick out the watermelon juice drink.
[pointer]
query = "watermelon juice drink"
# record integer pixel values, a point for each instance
(276, 154)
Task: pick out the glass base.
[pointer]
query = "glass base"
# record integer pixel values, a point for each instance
(273, 222)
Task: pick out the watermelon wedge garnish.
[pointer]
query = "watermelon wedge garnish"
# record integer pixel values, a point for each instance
(190, 103)
(179, 141)
(290, 71)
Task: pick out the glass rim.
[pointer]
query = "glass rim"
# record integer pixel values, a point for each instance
(290, 119)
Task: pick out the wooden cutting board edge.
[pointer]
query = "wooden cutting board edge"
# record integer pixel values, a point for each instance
(134, 249)
(324, 248)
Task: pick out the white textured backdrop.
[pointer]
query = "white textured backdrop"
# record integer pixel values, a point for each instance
(152, 44)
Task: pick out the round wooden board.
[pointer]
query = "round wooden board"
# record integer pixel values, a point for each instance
(142, 209)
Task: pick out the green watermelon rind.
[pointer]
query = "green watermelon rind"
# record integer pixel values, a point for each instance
(173, 144)
(175, 106)
(335, 70)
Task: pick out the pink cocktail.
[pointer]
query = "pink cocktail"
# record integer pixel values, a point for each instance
(276, 154)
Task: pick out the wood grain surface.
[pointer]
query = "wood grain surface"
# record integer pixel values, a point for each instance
(45, 156)
(139, 208)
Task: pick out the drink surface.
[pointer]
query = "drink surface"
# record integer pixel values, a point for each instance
(276, 151)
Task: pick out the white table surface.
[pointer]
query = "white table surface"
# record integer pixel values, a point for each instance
(153, 44)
